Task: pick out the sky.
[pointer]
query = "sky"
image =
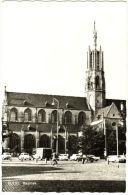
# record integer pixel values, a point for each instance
(43, 46)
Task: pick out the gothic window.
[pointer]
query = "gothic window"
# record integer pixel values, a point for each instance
(88, 82)
(91, 85)
(97, 60)
(68, 117)
(13, 114)
(121, 106)
(29, 143)
(81, 118)
(54, 116)
(97, 81)
(27, 115)
(14, 143)
(44, 141)
(91, 60)
(41, 116)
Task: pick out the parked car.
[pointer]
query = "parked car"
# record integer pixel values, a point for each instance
(95, 158)
(116, 159)
(112, 158)
(6, 156)
(25, 156)
(122, 158)
(88, 158)
(63, 157)
(75, 156)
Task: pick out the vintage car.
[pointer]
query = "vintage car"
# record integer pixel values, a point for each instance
(63, 157)
(25, 156)
(6, 156)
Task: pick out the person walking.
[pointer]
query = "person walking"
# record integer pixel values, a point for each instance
(54, 159)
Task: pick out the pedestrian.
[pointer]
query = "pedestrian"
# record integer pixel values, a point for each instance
(45, 160)
(54, 159)
(83, 159)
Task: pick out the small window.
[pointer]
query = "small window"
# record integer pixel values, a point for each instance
(98, 117)
(113, 124)
(113, 114)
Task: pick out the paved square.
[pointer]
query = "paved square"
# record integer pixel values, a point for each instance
(68, 176)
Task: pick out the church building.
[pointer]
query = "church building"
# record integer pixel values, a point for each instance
(42, 120)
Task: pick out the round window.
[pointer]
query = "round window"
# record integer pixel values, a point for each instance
(113, 124)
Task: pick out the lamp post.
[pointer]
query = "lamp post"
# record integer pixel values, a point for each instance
(117, 141)
(104, 129)
(56, 101)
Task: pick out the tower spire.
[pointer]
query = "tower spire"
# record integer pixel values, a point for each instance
(95, 36)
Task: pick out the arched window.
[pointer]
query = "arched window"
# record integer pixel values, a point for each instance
(97, 81)
(29, 143)
(41, 116)
(44, 141)
(14, 143)
(72, 144)
(81, 118)
(54, 116)
(61, 144)
(13, 114)
(27, 114)
(68, 117)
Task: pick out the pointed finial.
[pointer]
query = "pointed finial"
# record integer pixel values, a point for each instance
(94, 25)
(95, 35)
(5, 89)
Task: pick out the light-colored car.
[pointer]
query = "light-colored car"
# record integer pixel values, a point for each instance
(6, 156)
(63, 157)
(115, 158)
(122, 158)
(112, 158)
(25, 156)
(95, 158)
(75, 156)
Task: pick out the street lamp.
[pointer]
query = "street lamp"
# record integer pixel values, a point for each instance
(117, 140)
(56, 101)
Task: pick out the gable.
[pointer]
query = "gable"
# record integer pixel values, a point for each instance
(113, 112)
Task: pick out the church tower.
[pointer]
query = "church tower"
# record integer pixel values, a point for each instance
(95, 81)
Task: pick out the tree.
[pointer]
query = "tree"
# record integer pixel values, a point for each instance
(112, 141)
(72, 144)
(92, 142)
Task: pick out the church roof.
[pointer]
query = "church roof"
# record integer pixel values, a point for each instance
(108, 111)
(45, 101)
(102, 112)
(117, 103)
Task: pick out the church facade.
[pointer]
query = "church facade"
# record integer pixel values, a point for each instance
(42, 120)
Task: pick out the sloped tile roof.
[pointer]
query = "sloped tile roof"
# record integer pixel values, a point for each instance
(45, 101)
(116, 102)
(102, 112)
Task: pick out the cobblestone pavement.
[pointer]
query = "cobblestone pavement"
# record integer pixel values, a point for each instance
(68, 176)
